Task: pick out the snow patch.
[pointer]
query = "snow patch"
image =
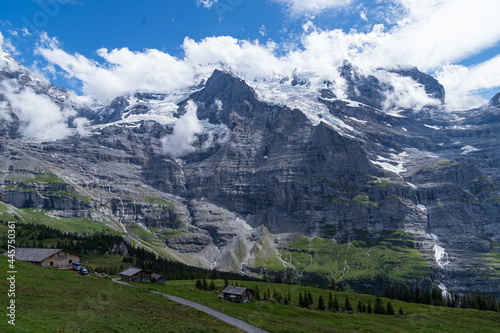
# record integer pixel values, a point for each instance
(395, 164)
(395, 113)
(412, 186)
(422, 208)
(432, 127)
(358, 120)
(305, 98)
(468, 149)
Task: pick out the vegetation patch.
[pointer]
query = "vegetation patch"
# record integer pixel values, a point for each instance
(53, 300)
(362, 260)
(271, 314)
(77, 225)
(159, 201)
(365, 201)
(139, 232)
(44, 178)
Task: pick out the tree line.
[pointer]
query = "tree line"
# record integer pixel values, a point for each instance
(434, 296)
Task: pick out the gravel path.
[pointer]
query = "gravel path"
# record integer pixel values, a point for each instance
(240, 324)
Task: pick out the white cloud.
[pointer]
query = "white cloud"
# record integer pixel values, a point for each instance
(125, 71)
(249, 59)
(406, 93)
(206, 3)
(263, 30)
(431, 34)
(301, 7)
(180, 142)
(463, 83)
(82, 126)
(436, 32)
(39, 117)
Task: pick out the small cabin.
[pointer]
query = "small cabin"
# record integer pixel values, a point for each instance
(47, 257)
(135, 275)
(159, 279)
(237, 294)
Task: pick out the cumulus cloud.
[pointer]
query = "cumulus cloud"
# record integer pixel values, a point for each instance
(180, 142)
(39, 117)
(206, 3)
(249, 59)
(81, 125)
(406, 93)
(124, 70)
(463, 83)
(300, 7)
(433, 35)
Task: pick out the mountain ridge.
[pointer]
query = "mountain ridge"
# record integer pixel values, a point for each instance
(262, 184)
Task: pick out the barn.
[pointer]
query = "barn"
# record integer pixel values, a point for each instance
(237, 294)
(159, 279)
(135, 275)
(59, 258)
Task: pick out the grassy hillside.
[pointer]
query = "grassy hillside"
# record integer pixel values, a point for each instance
(391, 258)
(51, 300)
(275, 317)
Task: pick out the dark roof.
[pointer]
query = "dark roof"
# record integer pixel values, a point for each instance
(35, 255)
(158, 276)
(133, 271)
(234, 290)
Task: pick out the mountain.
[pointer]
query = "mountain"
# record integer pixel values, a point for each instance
(267, 176)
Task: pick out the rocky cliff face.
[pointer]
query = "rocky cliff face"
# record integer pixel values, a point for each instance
(359, 193)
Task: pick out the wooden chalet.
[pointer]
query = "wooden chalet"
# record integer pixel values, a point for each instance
(237, 294)
(135, 275)
(59, 258)
(159, 279)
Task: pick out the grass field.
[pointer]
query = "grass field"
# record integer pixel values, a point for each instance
(52, 300)
(359, 260)
(290, 318)
(35, 215)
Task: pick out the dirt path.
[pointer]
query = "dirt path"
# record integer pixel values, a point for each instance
(240, 324)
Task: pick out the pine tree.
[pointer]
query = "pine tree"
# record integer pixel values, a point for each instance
(226, 282)
(301, 300)
(336, 305)
(306, 300)
(379, 307)
(257, 293)
(400, 311)
(204, 284)
(417, 294)
(369, 308)
(390, 309)
(309, 298)
(347, 304)
(211, 287)
(330, 302)
(321, 303)
(333, 286)
(198, 284)
(427, 297)
(360, 306)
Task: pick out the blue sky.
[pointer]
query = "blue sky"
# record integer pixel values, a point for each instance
(91, 45)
